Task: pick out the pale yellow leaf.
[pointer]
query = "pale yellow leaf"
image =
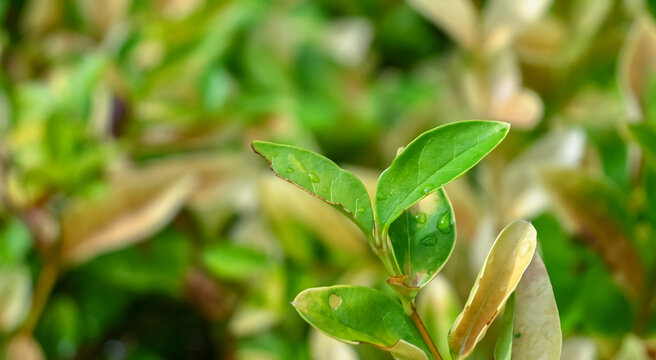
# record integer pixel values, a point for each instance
(23, 347)
(324, 347)
(510, 255)
(637, 64)
(504, 19)
(536, 327)
(15, 296)
(458, 18)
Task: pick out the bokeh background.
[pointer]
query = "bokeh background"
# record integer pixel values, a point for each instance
(136, 223)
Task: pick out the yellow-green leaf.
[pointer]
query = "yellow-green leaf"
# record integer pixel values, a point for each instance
(357, 314)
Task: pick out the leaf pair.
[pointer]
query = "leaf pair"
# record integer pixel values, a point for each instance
(425, 165)
(513, 274)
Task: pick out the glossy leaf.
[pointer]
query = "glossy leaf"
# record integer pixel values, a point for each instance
(537, 333)
(423, 238)
(599, 214)
(131, 211)
(356, 314)
(432, 160)
(320, 177)
(511, 253)
(504, 345)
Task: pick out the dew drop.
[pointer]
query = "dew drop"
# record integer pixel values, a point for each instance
(420, 218)
(361, 210)
(381, 196)
(325, 189)
(313, 177)
(429, 240)
(428, 189)
(444, 223)
(290, 170)
(334, 301)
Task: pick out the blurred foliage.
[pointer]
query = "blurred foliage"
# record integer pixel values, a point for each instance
(135, 223)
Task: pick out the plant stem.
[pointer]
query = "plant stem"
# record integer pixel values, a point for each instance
(424, 333)
(44, 285)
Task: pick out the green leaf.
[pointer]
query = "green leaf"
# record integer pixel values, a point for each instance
(511, 253)
(503, 347)
(422, 239)
(645, 135)
(233, 262)
(357, 314)
(321, 177)
(432, 160)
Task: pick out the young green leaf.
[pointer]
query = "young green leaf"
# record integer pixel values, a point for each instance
(432, 160)
(537, 333)
(422, 239)
(357, 314)
(504, 345)
(511, 253)
(322, 178)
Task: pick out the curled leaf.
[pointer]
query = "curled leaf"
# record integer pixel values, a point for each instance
(511, 253)
(356, 314)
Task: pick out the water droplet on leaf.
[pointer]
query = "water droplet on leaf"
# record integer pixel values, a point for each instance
(334, 301)
(429, 240)
(361, 210)
(290, 170)
(444, 223)
(428, 189)
(381, 196)
(420, 218)
(313, 177)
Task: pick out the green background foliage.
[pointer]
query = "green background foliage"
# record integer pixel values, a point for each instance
(136, 223)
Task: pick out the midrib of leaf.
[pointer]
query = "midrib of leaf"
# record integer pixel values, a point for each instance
(419, 186)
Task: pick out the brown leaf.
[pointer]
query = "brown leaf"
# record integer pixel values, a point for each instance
(589, 202)
(131, 211)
